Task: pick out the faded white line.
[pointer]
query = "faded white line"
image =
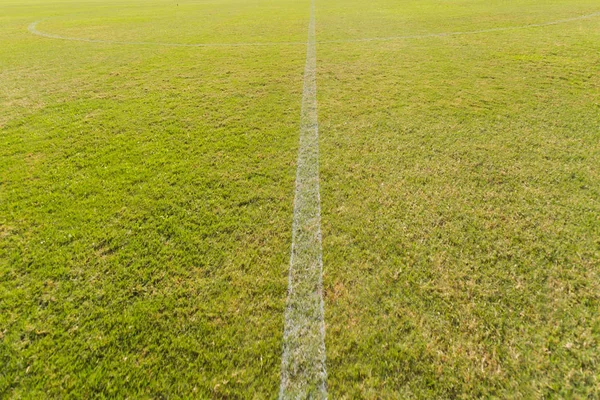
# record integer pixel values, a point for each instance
(34, 30)
(460, 33)
(303, 371)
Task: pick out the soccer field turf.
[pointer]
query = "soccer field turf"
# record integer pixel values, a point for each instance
(147, 183)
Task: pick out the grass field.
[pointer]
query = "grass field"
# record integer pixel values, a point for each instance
(147, 195)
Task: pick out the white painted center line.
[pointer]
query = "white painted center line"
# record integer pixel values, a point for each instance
(303, 372)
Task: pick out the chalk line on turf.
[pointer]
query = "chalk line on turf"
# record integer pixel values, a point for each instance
(461, 33)
(303, 370)
(34, 30)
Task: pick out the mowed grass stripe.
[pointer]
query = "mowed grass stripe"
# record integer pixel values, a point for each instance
(303, 366)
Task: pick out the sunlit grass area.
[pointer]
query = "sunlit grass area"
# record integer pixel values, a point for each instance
(460, 202)
(145, 210)
(146, 197)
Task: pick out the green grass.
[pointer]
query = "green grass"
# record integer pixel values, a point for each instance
(146, 198)
(145, 206)
(460, 198)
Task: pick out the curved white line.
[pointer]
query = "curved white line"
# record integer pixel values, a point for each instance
(32, 28)
(446, 34)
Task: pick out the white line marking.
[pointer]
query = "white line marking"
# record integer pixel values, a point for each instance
(303, 371)
(33, 29)
(446, 34)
